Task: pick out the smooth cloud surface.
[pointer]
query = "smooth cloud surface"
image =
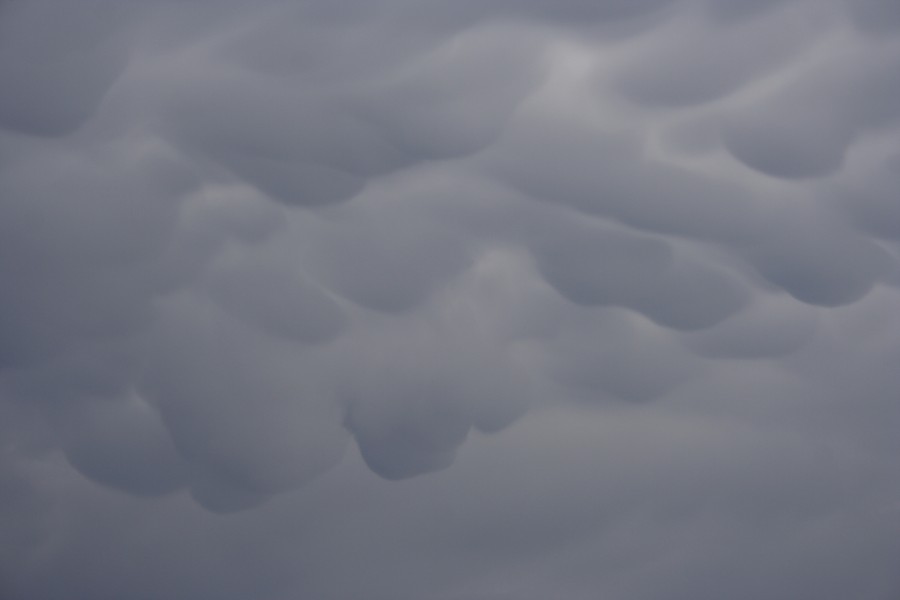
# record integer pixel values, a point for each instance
(417, 299)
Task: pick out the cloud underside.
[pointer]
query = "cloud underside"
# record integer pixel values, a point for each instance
(618, 279)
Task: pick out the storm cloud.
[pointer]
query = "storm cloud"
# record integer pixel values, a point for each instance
(400, 299)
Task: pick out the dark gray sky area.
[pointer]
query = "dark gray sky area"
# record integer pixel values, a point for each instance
(450, 300)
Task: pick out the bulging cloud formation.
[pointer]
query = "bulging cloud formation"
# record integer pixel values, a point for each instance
(230, 238)
(237, 241)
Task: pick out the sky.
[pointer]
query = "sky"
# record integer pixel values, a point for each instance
(450, 300)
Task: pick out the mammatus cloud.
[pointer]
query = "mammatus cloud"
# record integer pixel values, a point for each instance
(449, 300)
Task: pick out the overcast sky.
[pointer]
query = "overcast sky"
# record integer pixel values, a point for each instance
(450, 299)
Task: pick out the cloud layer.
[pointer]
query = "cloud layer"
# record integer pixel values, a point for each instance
(467, 300)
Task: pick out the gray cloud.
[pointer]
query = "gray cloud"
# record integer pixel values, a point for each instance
(58, 63)
(806, 127)
(452, 301)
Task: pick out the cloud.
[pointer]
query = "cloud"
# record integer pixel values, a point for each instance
(58, 63)
(806, 127)
(402, 299)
